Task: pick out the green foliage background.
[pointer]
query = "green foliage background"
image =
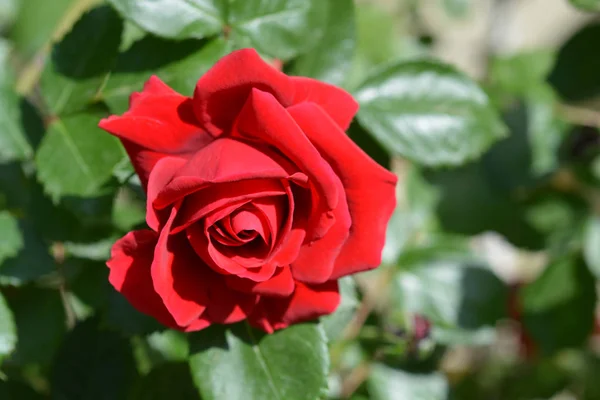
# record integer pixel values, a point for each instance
(488, 289)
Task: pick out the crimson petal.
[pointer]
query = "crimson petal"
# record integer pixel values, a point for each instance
(131, 258)
(370, 189)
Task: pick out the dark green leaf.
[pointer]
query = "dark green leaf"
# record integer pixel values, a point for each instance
(122, 316)
(8, 330)
(575, 75)
(558, 307)
(32, 262)
(428, 113)
(177, 19)
(587, 5)
(13, 142)
(37, 310)
(178, 64)
(81, 60)
(239, 362)
(385, 383)
(278, 28)
(460, 296)
(12, 240)
(331, 60)
(168, 381)
(14, 390)
(87, 156)
(159, 348)
(93, 364)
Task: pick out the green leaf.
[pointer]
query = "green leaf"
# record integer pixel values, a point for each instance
(94, 364)
(575, 75)
(558, 307)
(331, 59)
(122, 316)
(168, 381)
(159, 348)
(81, 61)
(459, 295)
(429, 113)
(15, 390)
(35, 23)
(176, 19)
(13, 142)
(521, 73)
(386, 383)
(12, 241)
(546, 132)
(178, 64)
(239, 362)
(36, 311)
(587, 5)
(278, 28)
(591, 246)
(335, 324)
(31, 263)
(8, 330)
(87, 156)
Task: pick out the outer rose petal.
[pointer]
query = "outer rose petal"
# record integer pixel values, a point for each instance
(221, 92)
(227, 306)
(370, 189)
(131, 258)
(336, 102)
(159, 121)
(163, 172)
(179, 276)
(308, 302)
(280, 284)
(316, 259)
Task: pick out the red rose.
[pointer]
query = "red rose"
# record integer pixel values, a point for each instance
(257, 200)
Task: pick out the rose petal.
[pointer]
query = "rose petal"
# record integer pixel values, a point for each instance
(224, 160)
(159, 122)
(198, 324)
(281, 284)
(223, 263)
(203, 202)
(336, 102)
(222, 91)
(294, 231)
(163, 172)
(179, 276)
(131, 258)
(370, 189)
(307, 303)
(227, 306)
(316, 260)
(263, 118)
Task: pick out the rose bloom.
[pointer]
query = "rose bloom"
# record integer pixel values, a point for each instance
(257, 200)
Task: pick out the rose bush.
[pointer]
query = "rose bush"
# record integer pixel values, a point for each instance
(256, 198)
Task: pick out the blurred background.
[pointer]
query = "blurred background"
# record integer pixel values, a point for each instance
(488, 288)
